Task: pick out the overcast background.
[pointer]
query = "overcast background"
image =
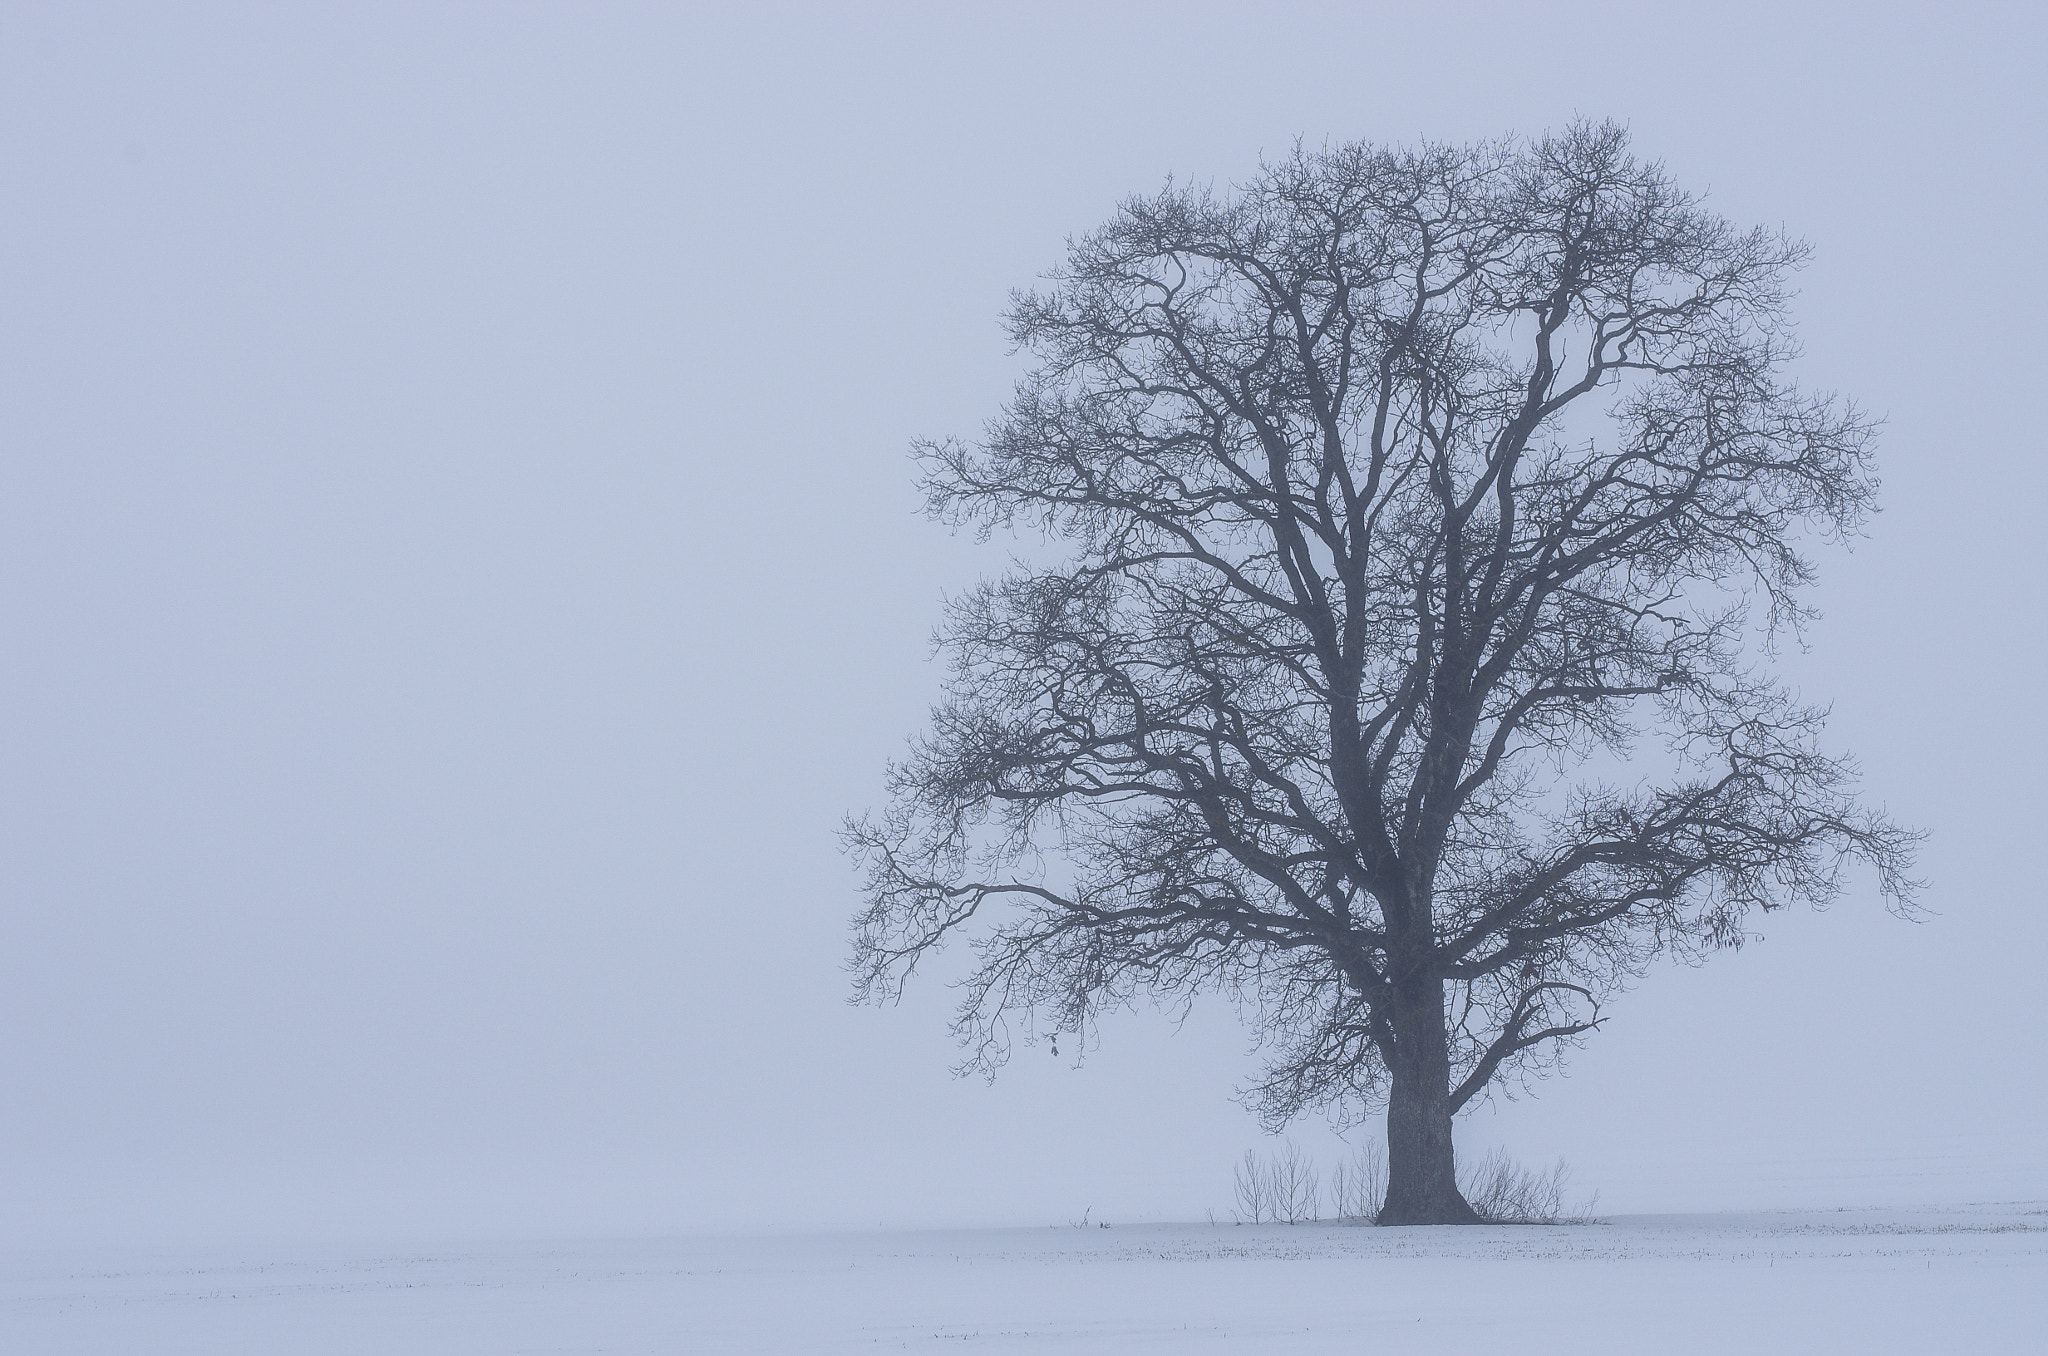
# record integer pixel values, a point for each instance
(459, 563)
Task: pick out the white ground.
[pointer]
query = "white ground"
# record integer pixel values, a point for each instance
(1965, 1280)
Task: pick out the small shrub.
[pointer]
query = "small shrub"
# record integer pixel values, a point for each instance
(1250, 1182)
(1358, 1185)
(1296, 1186)
(1282, 1188)
(1502, 1191)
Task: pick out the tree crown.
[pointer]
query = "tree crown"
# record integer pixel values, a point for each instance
(1406, 494)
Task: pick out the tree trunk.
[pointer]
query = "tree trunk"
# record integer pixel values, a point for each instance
(1422, 1170)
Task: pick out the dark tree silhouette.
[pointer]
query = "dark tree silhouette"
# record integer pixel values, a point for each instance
(1428, 518)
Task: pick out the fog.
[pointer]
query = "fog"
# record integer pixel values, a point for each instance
(461, 562)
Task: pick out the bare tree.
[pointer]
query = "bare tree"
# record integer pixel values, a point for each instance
(1428, 518)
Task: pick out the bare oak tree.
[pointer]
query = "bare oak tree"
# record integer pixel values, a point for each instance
(1427, 518)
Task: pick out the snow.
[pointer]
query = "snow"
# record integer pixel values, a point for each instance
(1865, 1281)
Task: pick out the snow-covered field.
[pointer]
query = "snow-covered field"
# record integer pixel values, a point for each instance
(1964, 1279)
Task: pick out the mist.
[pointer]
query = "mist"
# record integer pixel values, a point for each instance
(461, 563)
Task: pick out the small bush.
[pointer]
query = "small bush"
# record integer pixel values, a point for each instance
(1358, 1185)
(1502, 1191)
(1250, 1181)
(1283, 1188)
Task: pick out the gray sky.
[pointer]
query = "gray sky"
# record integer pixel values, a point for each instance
(460, 562)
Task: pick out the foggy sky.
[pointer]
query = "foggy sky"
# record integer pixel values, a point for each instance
(460, 562)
